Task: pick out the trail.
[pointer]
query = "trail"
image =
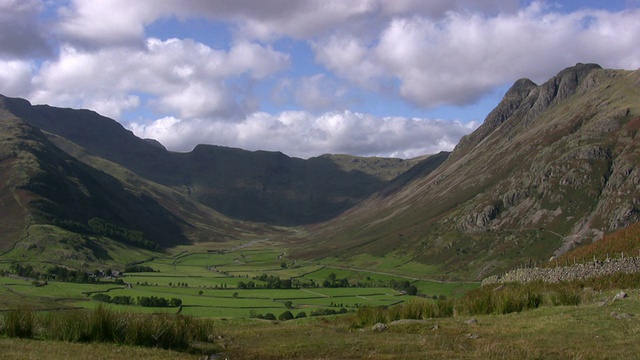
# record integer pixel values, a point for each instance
(17, 241)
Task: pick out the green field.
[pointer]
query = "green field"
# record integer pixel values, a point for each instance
(207, 284)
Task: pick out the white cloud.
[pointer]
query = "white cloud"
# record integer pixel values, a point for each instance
(351, 59)
(15, 77)
(457, 59)
(303, 134)
(427, 53)
(108, 22)
(183, 77)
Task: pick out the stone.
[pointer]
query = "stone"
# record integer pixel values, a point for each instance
(473, 336)
(621, 316)
(621, 295)
(379, 327)
(471, 321)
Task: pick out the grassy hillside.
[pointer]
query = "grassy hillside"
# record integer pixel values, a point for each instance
(550, 165)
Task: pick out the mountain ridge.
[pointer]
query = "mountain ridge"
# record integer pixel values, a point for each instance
(257, 186)
(551, 167)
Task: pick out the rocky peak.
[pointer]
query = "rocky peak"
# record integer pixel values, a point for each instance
(525, 101)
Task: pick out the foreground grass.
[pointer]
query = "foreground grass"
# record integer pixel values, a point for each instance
(165, 331)
(58, 350)
(587, 331)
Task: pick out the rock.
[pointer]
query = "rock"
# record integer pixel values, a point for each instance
(473, 336)
(471, 321)
(435, 327)
(621, 316)
(379, 327)
(621, 295)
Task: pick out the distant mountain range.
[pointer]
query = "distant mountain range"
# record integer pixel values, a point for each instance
(551, 167)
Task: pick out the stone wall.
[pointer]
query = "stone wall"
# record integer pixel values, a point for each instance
(593, 269)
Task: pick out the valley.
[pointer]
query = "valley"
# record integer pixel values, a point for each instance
(263, 255)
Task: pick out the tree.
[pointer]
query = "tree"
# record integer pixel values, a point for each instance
(287, 315)
(288, 304)
(412, 290)
(283, 265)
(301, 315)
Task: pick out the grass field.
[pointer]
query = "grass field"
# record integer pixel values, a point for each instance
(207, 283)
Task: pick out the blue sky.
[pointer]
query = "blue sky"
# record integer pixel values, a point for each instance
(397, 78)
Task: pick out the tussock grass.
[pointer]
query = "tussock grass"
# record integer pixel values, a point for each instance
(486, 300)
(165, 331)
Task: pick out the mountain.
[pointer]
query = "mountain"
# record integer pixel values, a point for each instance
(552, 166)
(259, 186)
(42, 184)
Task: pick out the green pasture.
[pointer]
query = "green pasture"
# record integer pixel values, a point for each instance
(206, 282)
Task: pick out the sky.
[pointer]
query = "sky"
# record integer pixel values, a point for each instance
(393, 78)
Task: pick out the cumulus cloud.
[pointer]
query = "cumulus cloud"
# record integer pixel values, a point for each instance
(185, 77)
(426, 53)
(302, 134)
(458, 58)
(15, 77)
(21, 34)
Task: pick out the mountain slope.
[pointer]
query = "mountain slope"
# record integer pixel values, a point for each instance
(256, 186)
(551, 166)
(42, 184)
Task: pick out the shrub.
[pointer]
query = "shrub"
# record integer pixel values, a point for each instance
(287, 315)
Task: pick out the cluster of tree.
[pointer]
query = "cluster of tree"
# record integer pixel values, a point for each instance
(119, 300)
(333, 282)
(138, 268)
(179, 284)
(270, 282)
(69, 275)
(287, 315)
(297, 283)
(155, 301)
(326, 312)
(25, 270)
(404, 286)
(132, 237)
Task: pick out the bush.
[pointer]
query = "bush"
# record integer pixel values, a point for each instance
(287, 315)
(301, 315)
